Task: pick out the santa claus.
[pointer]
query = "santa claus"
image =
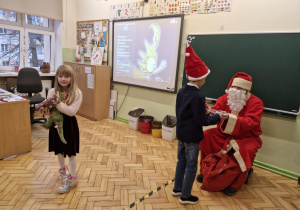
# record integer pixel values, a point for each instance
(239, 134)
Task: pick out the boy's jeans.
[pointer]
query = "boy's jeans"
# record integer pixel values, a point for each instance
(186, 169)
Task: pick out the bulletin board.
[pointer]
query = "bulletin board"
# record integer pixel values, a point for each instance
(92, 35)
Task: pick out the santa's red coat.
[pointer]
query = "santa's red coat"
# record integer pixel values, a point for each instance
(240, 132)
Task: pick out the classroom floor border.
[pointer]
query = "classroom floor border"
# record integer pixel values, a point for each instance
(149, 194)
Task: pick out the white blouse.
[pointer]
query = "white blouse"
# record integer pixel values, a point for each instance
(71, 109)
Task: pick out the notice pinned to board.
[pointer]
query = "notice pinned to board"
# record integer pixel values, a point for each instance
(90, 81)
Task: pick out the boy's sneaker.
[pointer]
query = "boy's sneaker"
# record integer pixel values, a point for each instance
(69, 183)
(64, 172)
(176, 192)
(200, 178)
(189, 200)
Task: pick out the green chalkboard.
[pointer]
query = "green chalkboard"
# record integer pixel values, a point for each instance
(272, 59)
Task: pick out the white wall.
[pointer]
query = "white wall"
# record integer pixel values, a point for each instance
(69, 24)
(281, 138)
(95, 9)
(249, 16)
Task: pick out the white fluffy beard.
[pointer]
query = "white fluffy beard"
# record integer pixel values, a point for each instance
(236, 99)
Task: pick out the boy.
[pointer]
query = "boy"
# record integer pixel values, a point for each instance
(191, 116)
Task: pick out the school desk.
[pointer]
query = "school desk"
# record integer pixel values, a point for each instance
(15, 127)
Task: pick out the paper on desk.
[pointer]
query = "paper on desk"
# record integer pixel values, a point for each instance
(11, 98)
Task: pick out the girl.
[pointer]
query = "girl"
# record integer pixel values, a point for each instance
(65, 83)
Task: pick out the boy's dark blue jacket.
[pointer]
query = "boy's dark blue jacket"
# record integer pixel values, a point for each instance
(191, 115)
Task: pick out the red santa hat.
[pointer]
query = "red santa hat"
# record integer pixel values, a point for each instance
(195, 68)
(241, 80)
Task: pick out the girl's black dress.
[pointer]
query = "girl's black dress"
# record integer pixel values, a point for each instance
(71, 134)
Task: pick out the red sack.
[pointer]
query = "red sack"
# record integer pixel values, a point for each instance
(219, 172)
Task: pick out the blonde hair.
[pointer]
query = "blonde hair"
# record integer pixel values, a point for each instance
(67, 71)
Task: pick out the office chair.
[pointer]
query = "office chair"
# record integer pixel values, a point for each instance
(29, 82)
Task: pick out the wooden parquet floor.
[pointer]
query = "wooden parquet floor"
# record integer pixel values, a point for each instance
(116, 167)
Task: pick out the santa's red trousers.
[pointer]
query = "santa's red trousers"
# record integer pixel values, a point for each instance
(238, 183)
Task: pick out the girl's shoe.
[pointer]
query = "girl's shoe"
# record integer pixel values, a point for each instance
(64, 172)
(69, 183)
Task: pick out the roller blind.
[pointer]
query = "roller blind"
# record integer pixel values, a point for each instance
(52, 9)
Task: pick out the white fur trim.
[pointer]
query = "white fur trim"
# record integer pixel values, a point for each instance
(230, 124)
(237, 155)
(187, 54)
(228, 147)
(222, 152)
(242, 83)
(195, 79)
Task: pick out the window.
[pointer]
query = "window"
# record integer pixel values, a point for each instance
(37, 21)
(4, 47)
(10, 54)
(11, 18)
(30, 21)
(40, 47)
(8, 16)
(3, 31)
(5, 63)
(30, 45)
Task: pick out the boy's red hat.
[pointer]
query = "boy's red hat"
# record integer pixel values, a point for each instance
(195, 68)
(241, 80)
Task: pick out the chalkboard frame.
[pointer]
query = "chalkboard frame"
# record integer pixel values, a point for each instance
(208, 48)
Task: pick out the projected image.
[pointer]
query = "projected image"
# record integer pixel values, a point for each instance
(148, 65)
(145, 52)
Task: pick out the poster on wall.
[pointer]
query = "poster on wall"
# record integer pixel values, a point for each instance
(97, 55)
(224, 5)
(102, 39)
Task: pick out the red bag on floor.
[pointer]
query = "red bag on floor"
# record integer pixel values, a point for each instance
(219, 172)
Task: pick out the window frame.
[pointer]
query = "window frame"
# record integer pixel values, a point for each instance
(26, 25)
(24, 29)
(13, 23)
(21, 61)
(52, 48)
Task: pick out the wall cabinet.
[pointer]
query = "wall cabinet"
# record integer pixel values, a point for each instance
(94, 82)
